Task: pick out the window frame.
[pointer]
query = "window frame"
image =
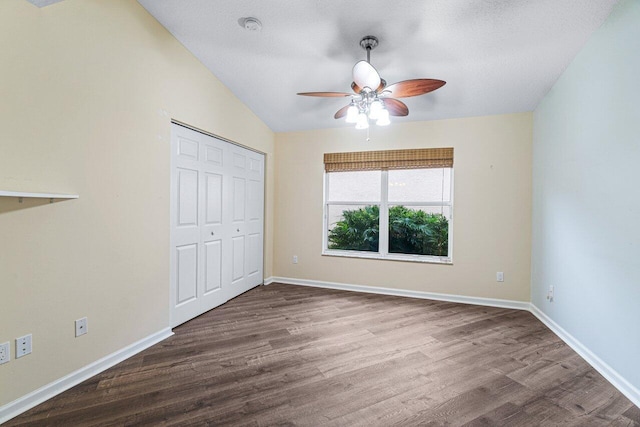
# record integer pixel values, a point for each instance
(383, 241)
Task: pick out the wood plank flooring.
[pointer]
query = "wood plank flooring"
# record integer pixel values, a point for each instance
(293, 355)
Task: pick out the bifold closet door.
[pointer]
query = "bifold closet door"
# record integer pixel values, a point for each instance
(217, 205)
(247, 199)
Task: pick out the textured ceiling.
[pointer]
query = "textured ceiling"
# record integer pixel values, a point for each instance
(497, 56)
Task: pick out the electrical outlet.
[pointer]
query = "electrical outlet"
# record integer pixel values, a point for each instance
(550, 293)
(5, 353)
(499, 276)
(81, 326)
(295, 259)
(23, 346)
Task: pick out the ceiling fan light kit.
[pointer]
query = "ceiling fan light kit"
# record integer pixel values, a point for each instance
(372, 99)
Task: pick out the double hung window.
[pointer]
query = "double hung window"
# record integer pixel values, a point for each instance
(393, 204)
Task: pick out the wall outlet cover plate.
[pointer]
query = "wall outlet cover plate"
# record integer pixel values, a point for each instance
(5, 353)
(23, 346)
(81, 326)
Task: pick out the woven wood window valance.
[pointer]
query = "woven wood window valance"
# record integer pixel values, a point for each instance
(390, 159)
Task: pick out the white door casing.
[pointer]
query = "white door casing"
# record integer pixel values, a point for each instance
(217, 205)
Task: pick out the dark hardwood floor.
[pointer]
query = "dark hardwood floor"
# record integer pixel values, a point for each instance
(293, 355)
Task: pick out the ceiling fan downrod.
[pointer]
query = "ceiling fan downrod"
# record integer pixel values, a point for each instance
(369, 43)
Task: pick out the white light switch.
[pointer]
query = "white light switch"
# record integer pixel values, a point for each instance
(500, 276)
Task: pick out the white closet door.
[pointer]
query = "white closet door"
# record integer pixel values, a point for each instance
(217, 204)
(254, 223)
(247, 199)
(212, 232)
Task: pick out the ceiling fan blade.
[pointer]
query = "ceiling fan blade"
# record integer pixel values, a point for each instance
(325, 94)
(357, 89)
(414, 87)
(341, 112)
(383, 84)
(395, 107)
(364, 75)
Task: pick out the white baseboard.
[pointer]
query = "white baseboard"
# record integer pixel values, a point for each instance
(28, 401)
(491, 302)
(617, 380)
(269, 280)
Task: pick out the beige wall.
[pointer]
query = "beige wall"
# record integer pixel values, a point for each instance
(87, 92)
(492, 207)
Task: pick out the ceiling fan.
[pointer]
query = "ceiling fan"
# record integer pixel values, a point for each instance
(372, 99)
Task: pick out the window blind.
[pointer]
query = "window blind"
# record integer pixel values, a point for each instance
(389, 159)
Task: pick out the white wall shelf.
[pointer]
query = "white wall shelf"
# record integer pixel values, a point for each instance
(51, 196)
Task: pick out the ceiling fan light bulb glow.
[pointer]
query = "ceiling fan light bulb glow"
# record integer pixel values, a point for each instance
(375, 109)
(383, 118)
(352, 114)
(362, 122)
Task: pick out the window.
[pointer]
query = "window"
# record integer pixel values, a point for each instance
(393, 204)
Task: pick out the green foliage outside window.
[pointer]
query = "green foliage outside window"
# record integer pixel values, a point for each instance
(410, 231)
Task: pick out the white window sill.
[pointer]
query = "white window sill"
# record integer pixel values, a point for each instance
(389, 257)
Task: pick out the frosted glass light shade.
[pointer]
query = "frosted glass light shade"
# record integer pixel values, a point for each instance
(383, 118)
(352, 114)
(375, 109)
(362, 122)
(365, 75)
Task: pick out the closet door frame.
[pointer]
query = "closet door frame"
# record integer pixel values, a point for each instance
(253, 269)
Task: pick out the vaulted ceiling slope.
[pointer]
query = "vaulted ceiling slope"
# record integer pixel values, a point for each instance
(497, 56)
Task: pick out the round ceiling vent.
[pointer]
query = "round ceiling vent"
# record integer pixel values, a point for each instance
(250, 24)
